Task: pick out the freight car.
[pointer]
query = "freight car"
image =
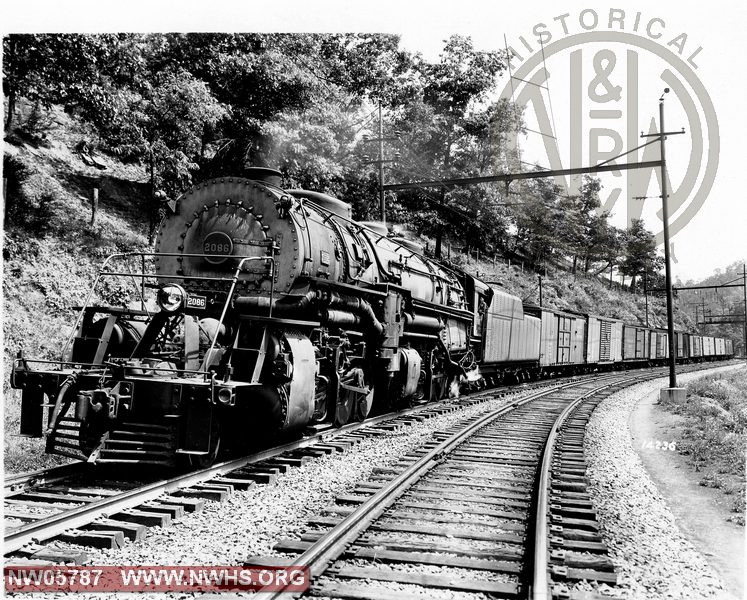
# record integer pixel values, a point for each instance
(267, 310)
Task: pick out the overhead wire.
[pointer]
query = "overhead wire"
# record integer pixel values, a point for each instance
(549, 94)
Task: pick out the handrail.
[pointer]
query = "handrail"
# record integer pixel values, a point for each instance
(105, 367)
(85, 303)
(124, 255)
(230, 295)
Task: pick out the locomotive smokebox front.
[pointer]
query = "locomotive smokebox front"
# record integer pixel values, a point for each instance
(216, 223)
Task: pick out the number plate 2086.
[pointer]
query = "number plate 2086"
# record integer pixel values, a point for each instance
(196, 301)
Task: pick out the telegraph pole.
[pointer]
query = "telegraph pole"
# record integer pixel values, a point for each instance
(382, 200)
(380, 161)
(662, 135)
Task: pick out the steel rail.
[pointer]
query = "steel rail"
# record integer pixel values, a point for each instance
(332, 544)
(540, 589)
(57, 473)
(46, 528)
(49, 475)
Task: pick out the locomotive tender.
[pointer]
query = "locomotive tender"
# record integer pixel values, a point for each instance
(276, 311)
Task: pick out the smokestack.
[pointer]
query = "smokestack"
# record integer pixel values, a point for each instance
(264, 174)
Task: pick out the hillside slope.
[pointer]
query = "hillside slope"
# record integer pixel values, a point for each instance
(51, 251)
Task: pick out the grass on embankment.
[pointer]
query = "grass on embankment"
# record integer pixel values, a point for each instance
(714, 436)
(52, 253)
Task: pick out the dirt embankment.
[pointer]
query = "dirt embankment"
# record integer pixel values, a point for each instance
(52, 251)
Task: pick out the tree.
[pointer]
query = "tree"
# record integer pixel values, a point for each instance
(67, 69)
(605, 243)
(640, 252)
(449, 129)
(539, 221)
(168, 120)
(272, 81)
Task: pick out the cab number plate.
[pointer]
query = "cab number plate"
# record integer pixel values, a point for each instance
(196, 301)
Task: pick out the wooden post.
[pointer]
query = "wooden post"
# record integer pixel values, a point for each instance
(539, 277)
(94, 204)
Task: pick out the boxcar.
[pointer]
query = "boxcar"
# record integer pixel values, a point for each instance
(696, 346)
(681, 345)
(603, 340)
(510, 334)
(562, 338)
(720, 346)
(635, 343)
(709, 346)
(659, 344)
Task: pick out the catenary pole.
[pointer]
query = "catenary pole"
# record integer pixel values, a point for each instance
(667, 258)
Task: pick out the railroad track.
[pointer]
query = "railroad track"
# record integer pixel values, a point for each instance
(495, 505)
(87, 505)
(84, 506)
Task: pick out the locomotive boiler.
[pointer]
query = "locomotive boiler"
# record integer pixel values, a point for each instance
(275, 311)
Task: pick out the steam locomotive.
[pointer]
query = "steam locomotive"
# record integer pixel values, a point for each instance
(265, 310)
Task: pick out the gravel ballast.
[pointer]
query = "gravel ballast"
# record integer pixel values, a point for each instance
(251, 522)
(654, 559)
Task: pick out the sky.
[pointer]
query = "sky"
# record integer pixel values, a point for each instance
(606, 67)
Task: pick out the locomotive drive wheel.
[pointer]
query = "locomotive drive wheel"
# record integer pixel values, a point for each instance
(344, 408)
(321, 394)
(364, 404)
(354, 400)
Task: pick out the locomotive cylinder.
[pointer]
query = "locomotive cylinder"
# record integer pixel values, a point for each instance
(339, 318)
(422, 323)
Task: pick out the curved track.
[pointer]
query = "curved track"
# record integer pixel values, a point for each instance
(495, 505)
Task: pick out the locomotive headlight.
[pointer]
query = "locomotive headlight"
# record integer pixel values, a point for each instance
(171, 297)
(225, 395)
